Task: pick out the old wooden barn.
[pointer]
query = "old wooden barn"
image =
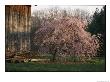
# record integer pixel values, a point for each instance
(17, 27)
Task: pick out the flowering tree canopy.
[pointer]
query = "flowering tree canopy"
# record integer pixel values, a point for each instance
(67, 36)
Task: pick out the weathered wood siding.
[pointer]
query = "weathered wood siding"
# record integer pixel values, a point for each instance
(17, 25)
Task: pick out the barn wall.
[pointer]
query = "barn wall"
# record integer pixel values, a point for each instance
(17, 27)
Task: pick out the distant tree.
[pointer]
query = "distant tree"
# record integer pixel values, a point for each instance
(35, 25)
(98, 27)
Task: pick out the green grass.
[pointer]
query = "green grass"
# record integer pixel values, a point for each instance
(91, 66)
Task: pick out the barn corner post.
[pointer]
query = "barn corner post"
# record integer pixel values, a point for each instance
(17, 28)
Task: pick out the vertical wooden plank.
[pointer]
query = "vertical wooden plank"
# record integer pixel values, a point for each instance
(6, 25)
(18, 33)
(25, 23)
(29, 24)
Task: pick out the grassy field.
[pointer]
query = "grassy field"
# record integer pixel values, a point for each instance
(93, 66)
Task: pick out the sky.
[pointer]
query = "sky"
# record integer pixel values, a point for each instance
(91, 9)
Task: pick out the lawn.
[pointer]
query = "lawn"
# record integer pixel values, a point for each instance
(93, 66)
